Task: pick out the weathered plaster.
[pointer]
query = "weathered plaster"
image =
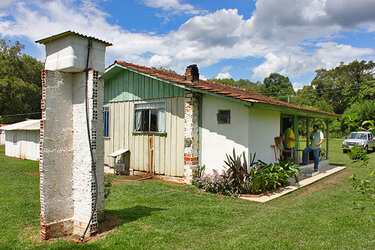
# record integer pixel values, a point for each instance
(67, 186)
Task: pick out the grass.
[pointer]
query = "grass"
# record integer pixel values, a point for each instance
(155, 214)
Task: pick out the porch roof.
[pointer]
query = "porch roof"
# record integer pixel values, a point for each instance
(219, 90)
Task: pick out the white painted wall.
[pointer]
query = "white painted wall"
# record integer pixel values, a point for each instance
(264, 127)
(69, 54)
(23, 144)
(2, 137)
(217, 140)
(56, 166)
(251, 130)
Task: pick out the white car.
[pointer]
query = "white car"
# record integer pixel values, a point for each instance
(362, 139)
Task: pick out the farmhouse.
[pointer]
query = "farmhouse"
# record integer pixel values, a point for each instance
(172, 123)
(22, 139)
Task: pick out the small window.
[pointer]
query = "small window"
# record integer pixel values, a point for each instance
(106, 120)
(223, 117)
(14, 137)
(149, 117)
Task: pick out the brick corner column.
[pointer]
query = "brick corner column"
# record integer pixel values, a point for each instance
(191, 135)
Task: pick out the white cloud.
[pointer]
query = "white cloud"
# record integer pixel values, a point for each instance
(223, 75)
(221, 28)
(291, 36)
(295, 63)
(173, 6)
(160, 61)
(5, 3)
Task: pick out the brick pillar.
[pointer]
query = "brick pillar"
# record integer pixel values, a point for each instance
(84, 189)
(67, 186)
(191, 136)
(56, 155)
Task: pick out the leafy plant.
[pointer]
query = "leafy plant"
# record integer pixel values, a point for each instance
(267, 177)
(198, 171)
(238, 172)
(358, 153)
(363, 185)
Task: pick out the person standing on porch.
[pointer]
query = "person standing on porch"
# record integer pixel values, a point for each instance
(317, 138)
(289, 141)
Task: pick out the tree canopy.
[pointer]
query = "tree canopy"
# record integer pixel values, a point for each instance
(278, 86)
(344, 85)
(20, 83)
(256, 87)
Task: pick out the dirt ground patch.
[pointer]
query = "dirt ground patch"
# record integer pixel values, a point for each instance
(130, 178)
(33, 173)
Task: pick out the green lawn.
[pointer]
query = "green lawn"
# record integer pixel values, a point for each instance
(155, 214)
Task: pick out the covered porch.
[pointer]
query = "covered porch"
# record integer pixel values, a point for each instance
(303, 126)
(302, 119)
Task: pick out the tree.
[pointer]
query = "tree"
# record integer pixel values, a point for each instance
(345, 84)
(255, 87)
(305, 97)
(20, 83)
(365, 110)
(278, 86)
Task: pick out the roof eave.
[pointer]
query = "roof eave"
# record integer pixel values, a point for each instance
(68, 33)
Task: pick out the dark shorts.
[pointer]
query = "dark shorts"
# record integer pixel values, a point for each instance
(288, 154)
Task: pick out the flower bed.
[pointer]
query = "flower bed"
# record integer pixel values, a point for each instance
(247, 178)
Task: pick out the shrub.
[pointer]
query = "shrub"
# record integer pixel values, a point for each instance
(257, 177)
(267, 177)
(358, 153)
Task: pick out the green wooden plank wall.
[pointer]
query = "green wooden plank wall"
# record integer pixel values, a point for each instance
(131, 86)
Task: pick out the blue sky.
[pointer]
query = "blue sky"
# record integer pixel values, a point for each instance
(239, 38)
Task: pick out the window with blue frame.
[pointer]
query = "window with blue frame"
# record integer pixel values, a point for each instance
(106, 120)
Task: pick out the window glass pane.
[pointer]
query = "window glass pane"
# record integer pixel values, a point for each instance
(154, 119)
(161, 120)
(145, 120)
(138, 120)
(223, 117)
(106, 120)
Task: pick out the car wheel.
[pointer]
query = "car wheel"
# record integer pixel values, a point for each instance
(344, 151)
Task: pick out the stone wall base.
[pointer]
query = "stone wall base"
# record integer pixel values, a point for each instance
(56, 229)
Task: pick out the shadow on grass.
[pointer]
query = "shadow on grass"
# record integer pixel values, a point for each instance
(114, 218)
(337, 164)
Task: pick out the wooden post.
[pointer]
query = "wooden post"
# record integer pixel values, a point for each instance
(308, 132)
(151, 155)
(296, 135)
(327, 143)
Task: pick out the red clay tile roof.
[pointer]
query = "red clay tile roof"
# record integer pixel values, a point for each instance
(215, 87)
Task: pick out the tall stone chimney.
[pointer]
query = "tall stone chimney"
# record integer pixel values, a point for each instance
(192, 73)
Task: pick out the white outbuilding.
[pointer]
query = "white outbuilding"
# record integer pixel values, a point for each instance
(22, 140)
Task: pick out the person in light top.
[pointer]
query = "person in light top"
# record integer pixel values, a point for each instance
(316, 138)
